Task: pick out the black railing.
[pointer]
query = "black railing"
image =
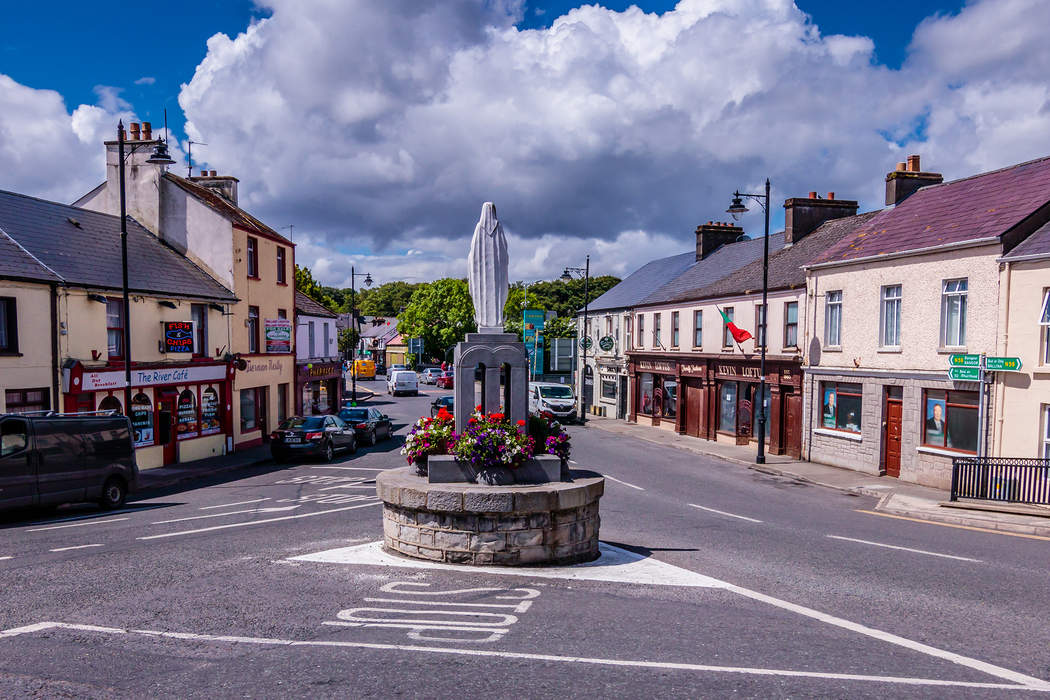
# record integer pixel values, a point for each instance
(1011, 479)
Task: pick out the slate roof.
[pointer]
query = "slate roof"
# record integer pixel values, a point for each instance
(306, 305)
(82, 247)
(228, 209)
(17, 263)
(982, 206)
(643, 282)
(786, 265)
(379, 327)
(724, 261)
(1036, 244)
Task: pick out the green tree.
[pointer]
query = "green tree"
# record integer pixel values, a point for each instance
(560, 327)
(348, 338)
(305, 283)
(386, 299)
(441, 313)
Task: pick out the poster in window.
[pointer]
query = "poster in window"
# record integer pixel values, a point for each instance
(934, 421)
(829, 408)
(278, 334)
(210, 423)
(142, 420)
(186, 416)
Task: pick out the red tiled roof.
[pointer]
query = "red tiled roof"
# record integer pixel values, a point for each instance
(982, 206)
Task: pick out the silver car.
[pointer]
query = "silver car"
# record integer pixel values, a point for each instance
(430, 375)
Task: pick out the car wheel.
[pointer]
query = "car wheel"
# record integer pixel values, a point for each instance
(113, 493)
(329, 452)
(372, 439)
(279, 458)
(353, 444)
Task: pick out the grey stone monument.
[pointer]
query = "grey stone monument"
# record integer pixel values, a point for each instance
(495, 352)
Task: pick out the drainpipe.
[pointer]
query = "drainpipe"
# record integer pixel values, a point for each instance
(810, 332)
(55, 380)
(1000, 398)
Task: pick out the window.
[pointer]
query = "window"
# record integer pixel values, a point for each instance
(641, 330)
(727, 404)
(842, 406)
(186, 416)
(609, 389)
(890, 317)
(253, 257)
(142, 420)
(760, 325)
(656, 330)
(199, 315)
(8, 326)
(111, 403)
(248, 410)
(953, 313)
(949, 419)
(281, 279)
(627, 330)
(670, 397)
(791, 324)
(674, 329)
(327, 339)
(115, 328)
(1044, 321)
(310, 334)
(645, 393)
(282, 402)
(211, 412)
(1045, 452)
(14, 436)
(26, 400)
(253, 329)
(698, 329)
(608, 325)
(727, 337)
(833, 319)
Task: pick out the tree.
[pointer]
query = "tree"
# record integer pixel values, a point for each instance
(305, 283)
(386, 299)
(441, 313)
(348, 338)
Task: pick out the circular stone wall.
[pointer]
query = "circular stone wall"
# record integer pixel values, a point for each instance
(555, 523)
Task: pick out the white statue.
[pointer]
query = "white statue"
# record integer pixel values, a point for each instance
(487, 271)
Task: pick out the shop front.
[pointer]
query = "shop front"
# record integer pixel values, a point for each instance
(179, 413)
(318, 387)
(262, 398)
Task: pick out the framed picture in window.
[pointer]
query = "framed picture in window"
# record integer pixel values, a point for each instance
(829, 408)
(935, 416)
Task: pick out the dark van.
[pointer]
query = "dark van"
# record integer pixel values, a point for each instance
(47, 459)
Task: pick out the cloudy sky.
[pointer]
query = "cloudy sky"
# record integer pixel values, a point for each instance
(378, 128)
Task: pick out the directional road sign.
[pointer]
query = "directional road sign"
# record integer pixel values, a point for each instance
(1003, 364)
(965, 360)
(965, 374)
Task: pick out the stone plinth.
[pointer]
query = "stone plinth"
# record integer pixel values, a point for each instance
(555, 523)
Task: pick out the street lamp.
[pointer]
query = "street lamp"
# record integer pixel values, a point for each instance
(159, 157)
(585, 273)
(736, 208)
(355, 326)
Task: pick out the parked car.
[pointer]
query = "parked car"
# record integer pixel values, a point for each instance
(402, 381)
(430, 375)
(557, 399)
(446, 402)
(319, 436)
(50, 458)
(447, 380)
(370, 425)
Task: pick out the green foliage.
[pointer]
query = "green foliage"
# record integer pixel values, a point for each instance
(561, 327)
(348, 338)
(386, 299)
(305, 283)
(441, 313)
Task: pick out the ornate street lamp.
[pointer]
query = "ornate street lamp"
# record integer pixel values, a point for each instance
(567, 276)
(354, 325)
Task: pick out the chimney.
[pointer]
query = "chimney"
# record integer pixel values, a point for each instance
(907, 179)
(223, 185)
(802, 216)
(147, 131)
(712, 235)
(134, 128)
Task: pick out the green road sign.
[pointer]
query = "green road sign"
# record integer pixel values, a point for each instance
(965, 360)
(964, 374)
(586, 342)
(606, 343)
(1003, 364)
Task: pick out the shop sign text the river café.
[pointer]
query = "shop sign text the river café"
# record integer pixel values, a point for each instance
(93, 381)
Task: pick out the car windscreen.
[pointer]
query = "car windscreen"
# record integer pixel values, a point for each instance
(556, 392)
(354, 414)
(300, 423)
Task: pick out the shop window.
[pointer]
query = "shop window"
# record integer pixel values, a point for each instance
(253, 257)
(645, 393)
(953, 313)
(14, 436)
(211, 412)
(253, 329)
(727, 337)
(609, 389)
(115, 328)
(727, 407)
(670, 397)
(282, 267)
(949, 419)
(890, 317)
(27, 400)
(833, 319)
(698, 329)
(841, 406)
(8, 326)
(186, 415)
(142, 419)
(765, 407)
(608, 325)
(791, 324)
(199, 316)
(249, 413)
(674, 329)
(111, 403)
(628, 336)
(1044, 324)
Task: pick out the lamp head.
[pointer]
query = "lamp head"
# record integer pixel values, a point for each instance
(160, 155)
(565, 276)
(737, 207)
(368, 280)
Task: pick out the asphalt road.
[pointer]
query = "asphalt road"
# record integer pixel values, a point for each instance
(763, 588)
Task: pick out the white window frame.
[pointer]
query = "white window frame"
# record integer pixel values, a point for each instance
(1045, 441)
(311, 337)
(787, 324)
(698, 328)
(833, 318)
(954, 292)
(1044, 329)
(658, 330)
(761, 325)
(727, 337)
(898, 303)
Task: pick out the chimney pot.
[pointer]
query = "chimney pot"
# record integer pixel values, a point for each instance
(901, 167)
(913, 163)
(214, 173)
(812, 195)
(134, 127)
(147, 131)
(831, 195)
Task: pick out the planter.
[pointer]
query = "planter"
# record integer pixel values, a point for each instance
(542, 469)
(420, 464)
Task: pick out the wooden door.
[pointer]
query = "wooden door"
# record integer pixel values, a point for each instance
(892, 438)
(792, 438)
(694, 407)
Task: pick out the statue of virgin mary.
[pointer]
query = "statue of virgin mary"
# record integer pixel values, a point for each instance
(487, 271)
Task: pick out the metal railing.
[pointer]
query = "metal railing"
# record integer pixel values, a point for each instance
(1010, 479)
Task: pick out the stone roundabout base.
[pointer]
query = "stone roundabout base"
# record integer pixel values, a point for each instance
(555, 523)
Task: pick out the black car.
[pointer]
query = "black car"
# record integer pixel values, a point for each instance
(319, 436)
(370, 425)
(446, 402)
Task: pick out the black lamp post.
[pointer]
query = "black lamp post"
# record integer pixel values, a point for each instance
(159, 157)
(355, 327)
(736, 208)
(566, 276)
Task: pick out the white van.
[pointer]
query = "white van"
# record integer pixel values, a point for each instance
(402, 381)
(554, 398)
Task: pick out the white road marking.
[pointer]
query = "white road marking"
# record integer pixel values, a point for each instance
(93, 522)
(79, 546)
(613, 478)
(722, 512)
(363, 469)
(1031, 684)
(238, 503)
(223, 515)
(359, 485)
(5, 558)
(258, 522)
(905, 549)
(95, 515)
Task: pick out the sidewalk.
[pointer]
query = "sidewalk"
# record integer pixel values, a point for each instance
(896, 498)
(173, 474)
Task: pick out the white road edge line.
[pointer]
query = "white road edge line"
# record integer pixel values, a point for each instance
(1032, 684)
(257, 522)
(905, 549)
(93, 522)
(355, 485)
(5, 558)
(722, 512)
(362, 469)
(79, 546)
(613, 478)
(96, 515)
(238, 503)
(223, 515)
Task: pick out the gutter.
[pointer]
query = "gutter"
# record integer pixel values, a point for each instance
(976, 243)
(1023, 258)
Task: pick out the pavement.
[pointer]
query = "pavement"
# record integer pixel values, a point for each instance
(896, 497)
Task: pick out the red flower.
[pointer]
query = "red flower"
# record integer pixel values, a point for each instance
(496, 416)
(521, 423)
(443, 414)
(478, 408)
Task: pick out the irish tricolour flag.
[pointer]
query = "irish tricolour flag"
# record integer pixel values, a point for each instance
(739, 334)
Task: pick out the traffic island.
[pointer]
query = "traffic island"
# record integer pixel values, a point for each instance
(514, 525)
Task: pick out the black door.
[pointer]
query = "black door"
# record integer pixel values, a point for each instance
(621, 400)
(341, 433)
(17, 473)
